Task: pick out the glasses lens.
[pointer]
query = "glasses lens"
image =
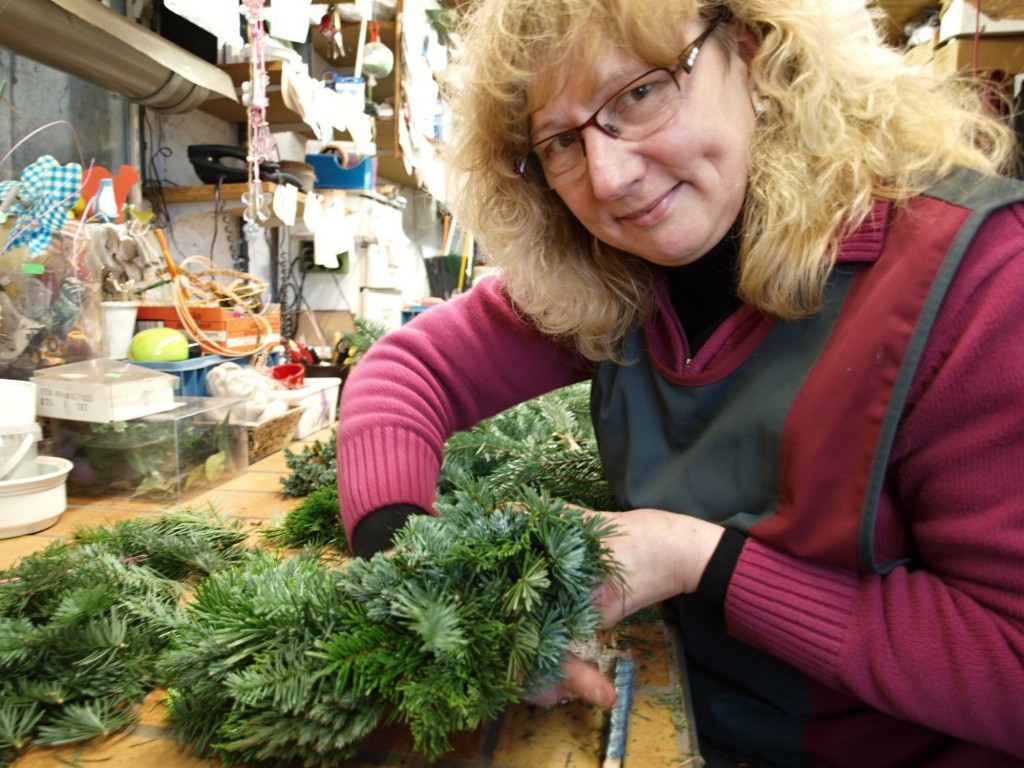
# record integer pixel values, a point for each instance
(640, 108)
(635, 112)
(559, 155)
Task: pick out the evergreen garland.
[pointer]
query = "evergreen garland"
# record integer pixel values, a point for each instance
(82, 624)
(546, 443)
(292, 660)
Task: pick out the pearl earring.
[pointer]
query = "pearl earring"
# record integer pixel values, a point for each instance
(757, 102)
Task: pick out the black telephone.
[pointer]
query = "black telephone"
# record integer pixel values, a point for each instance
(225, 163)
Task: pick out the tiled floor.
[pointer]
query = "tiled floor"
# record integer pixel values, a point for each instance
(570, 736)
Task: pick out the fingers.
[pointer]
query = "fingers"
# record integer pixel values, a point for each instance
(584, 681)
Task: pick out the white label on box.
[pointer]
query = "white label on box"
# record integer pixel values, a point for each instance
(103, 403)
(222, 337)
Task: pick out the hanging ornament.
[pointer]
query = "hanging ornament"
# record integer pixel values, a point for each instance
(378, 60)
(330, 28)
(254, 96)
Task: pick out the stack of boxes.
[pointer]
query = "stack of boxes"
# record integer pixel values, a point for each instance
(124, 430)
(231, 329)
(990, 38)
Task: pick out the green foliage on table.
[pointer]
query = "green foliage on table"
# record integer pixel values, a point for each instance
(355, 343)
(291, 660)
(546, 443)
(314, 522)
(82, 623)
(312, 468)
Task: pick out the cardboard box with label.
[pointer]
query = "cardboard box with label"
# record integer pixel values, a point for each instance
(103, 391)
(960, 18)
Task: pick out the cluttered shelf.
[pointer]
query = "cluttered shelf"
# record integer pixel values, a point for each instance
(281, 116)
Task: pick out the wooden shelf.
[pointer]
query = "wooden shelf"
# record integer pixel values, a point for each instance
(230, 198)
(280, 118)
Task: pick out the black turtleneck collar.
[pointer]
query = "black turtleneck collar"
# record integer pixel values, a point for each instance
(704, 293)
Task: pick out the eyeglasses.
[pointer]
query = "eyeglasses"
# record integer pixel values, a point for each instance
(635, 112)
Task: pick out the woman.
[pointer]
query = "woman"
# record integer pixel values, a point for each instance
(789, 268)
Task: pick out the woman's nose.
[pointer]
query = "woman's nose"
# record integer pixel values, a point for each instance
(613, 165)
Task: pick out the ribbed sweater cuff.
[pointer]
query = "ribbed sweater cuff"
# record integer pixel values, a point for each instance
(714, 582)
(376, 531)
(792, 609)
(390, 468)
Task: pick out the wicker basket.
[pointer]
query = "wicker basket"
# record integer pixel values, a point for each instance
(273, 435)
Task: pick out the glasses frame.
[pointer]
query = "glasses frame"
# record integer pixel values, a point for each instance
(528, 165)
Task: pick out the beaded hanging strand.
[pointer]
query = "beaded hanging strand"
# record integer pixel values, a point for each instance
(254, 97)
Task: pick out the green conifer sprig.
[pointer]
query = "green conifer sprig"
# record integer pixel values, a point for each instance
(83, 622)
(244, 686)
(177, 544)
(313, 522)
(294, 660)
(315, 466)
(546, 443)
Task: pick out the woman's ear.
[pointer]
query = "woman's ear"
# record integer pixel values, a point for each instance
(746, 43)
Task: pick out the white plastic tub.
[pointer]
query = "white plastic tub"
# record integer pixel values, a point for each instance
(18, 451)
(19, 399)
(32, 504)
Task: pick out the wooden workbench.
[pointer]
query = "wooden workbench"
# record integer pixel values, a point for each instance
(569, 736)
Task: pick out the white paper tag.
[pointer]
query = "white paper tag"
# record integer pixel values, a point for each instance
(286, 203)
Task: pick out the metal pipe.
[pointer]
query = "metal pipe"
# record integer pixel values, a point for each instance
(90, 41)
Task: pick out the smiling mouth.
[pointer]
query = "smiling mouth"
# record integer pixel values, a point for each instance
(642, 213)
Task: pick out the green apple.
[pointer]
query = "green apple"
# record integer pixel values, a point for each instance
(159, 345)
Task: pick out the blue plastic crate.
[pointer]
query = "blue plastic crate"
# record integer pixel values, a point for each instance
(408, 313)
(330, 174)
(191, 372)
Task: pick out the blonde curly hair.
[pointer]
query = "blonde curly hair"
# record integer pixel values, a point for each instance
(846, 122)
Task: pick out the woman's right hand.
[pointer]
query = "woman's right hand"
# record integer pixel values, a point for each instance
(661, 554)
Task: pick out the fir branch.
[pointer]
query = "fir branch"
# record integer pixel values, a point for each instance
(547, 444)
(17, 725)
(83, 722)
(177, 544)
(356, 342)
(83, 622)
(294, 660)
(314, 522)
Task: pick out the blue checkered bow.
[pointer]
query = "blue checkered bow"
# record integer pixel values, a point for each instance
(40, 202)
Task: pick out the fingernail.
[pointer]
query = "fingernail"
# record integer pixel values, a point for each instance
(602, 697)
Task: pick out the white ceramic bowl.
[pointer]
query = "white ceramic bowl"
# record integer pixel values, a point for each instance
(32, 504)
